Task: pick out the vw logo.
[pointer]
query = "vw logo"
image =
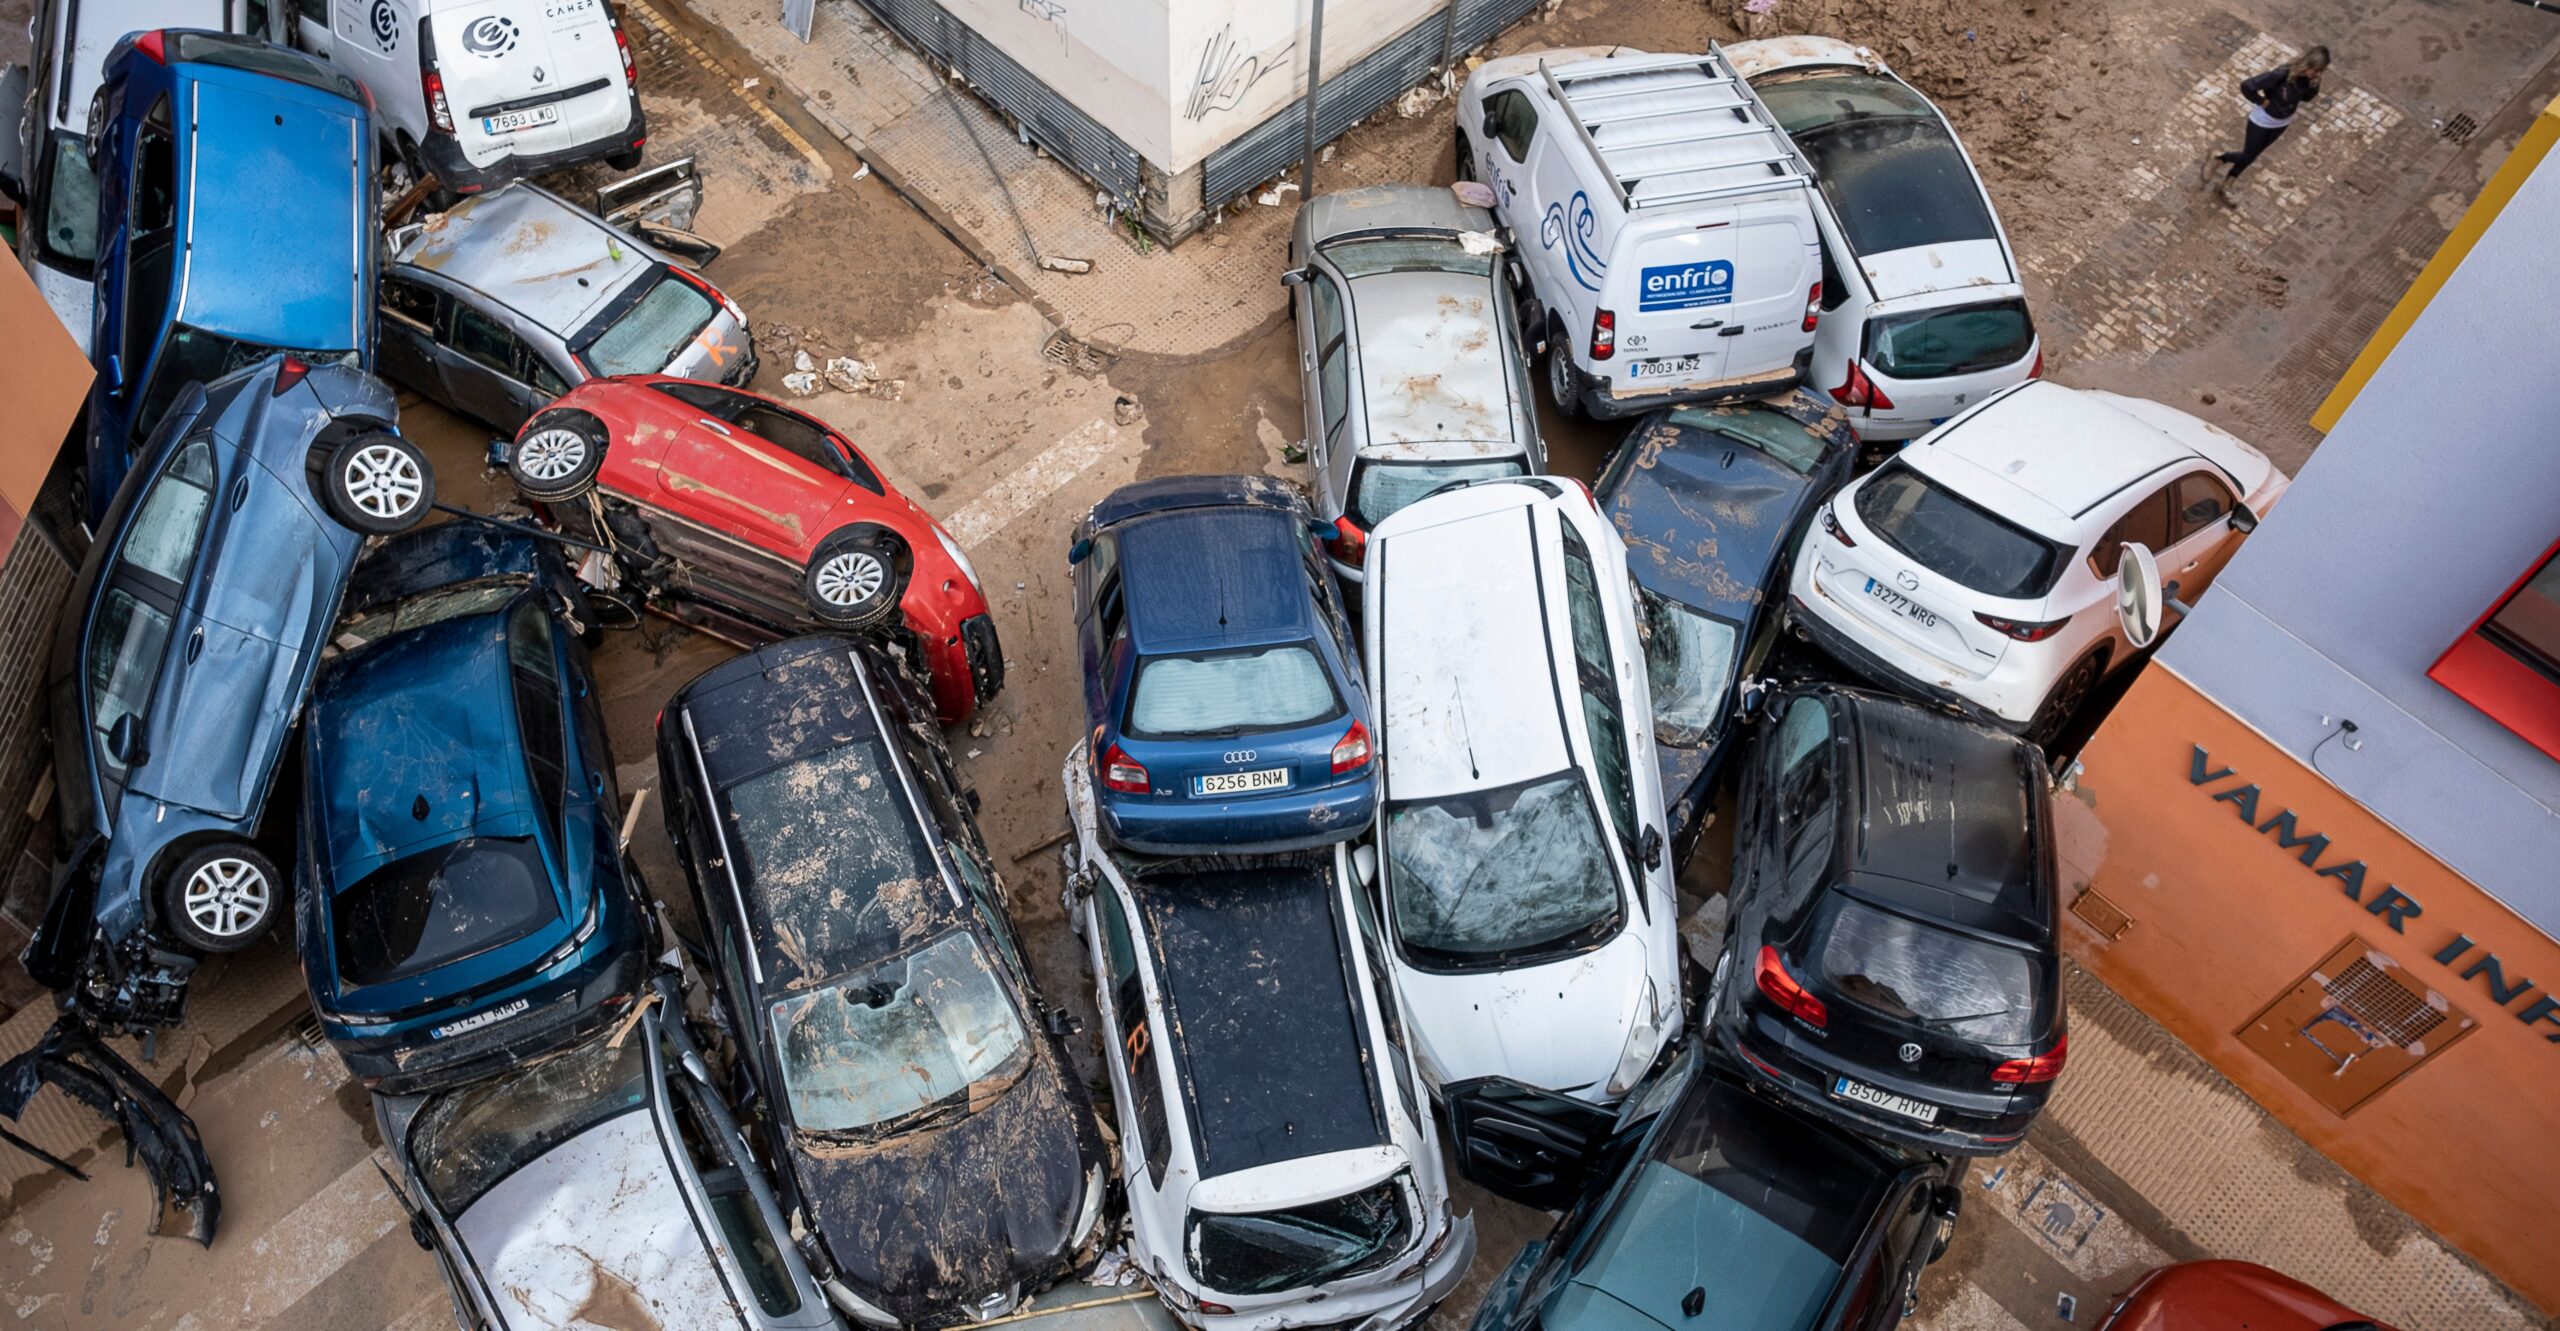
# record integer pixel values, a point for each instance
(1907, 582)
(1238, 756)
(1910, 1052)
(489, 36)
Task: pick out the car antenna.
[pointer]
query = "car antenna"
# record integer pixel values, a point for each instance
(1466, 735)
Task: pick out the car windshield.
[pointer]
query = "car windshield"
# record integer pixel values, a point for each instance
(1378, 489)
(1690, 659)
(1963, 340)
(71, 215)
(647, 336)
(1915, 972)
(1268, 1252)
(1231, 693)
(194, 356)
(909, 1043)
(1774, 434)
(464, 1143)
(1499, 877)
(452, 601)
(1404, 254)
(1952, 536)
(440, 906)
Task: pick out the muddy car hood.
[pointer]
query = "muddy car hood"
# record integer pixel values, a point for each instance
(918, 1226)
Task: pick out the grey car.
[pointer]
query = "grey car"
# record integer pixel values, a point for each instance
(605, 1185)
(518, 295)
(1411, 351)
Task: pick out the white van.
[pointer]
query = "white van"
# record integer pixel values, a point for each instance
(1664, 222)
(1521, 867)
(480, 92)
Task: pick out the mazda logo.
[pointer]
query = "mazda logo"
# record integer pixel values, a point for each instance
(1907, 582)
(1238, 756)
(1910, 1052)
(489, 36)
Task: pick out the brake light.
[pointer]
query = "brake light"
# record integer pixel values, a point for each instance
(289, 374)
(1861, 391)
(2020, 629)
(1783, 990)
(1813, 307)
(2036, 371)
(1351, 752)
(1585, 489)
(439, 113)
(623, 45)
(1216, 1309)
(149, 44)
(1348, 543)
(1122, 774)
(698, 283)
(1604, 334)
(2034, 1071)
(1832, 525)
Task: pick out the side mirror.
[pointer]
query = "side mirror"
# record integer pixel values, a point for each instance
(124, 740)
(1295, 277)
(1945, 1202)
(694, 1068)
(1080, 883)
(1076, 553)
(13, 147)
(1062, 1024)
(2242, 520)
(1364, 864)
(1650, 847)
(2142, 603)
(1751, 699)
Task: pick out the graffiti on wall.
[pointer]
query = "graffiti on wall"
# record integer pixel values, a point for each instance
(1227, 73)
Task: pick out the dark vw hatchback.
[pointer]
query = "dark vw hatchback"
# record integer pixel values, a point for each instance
(928, 1135)
(1892, 960)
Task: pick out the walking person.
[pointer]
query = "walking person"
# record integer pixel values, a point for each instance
(2274, 98)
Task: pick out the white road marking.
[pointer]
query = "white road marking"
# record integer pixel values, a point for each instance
(307, 1246)
(1044, 476)
(2108, 1253)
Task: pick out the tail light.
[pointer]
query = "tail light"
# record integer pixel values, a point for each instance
(1121, 773)
(1783, 990)
(289, 374)
(2033, 1071)
(1813, 307)
(2036, 371)
(1351, 752)
(149, 44)
(2020, 629)
(439, 113)
(1861, 391)
(718, 297)
(1585, 489)
(1348, 543)
(1604, 334)
(1832, 525)
(623, 45)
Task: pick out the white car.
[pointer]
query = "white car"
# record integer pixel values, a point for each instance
(1978, 567)
(1528, 899)
(1279, 1157)
(1922, 307)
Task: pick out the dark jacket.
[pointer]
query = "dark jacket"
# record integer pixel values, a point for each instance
(2280, 92)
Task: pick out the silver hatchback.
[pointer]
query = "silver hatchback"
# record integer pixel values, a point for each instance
(1411, 351)
(518, 295)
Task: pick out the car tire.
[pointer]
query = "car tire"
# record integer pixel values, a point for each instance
(438, 199)
(1560, 386)
(1466, 158)
(559, 455)
(221, 897)
(855, 578)
(378, 483)
(2064, 700)
(626, 160)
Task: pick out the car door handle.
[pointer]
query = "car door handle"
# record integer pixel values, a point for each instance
(714, 426)
(1708, 323)
(1736, 330)
(195, 644)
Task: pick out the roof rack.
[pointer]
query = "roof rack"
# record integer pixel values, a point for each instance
(1598, 95)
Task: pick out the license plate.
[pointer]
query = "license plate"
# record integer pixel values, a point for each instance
(1234, 783)
(1663, 369)
(1903, 605)
(509, 122)
(479, 1019)
(1858, 1092)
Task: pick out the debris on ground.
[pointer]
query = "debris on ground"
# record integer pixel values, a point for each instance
(1473, 193)
(1059, 264)
(157, 1133)
(1270, 198)
(847, 375)
(1479, 242)
(1125, 410)
(1416, 102)
(1703, 931)
(801, 383)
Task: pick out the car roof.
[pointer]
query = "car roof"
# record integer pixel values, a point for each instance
(1465, 702)
(97, 26)
(1704, 516)
(259, 188)
(533, 252)
(1398, 208)
(1430, 368)
(1203, 578)
(2045, 455)
(1262, 1022)
(419, 735)
(1948, 818)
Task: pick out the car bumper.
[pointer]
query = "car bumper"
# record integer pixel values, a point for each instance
(1602, 402)
(1301, 821)
(1809, 1085)
(1875, 669)
(1398, 1303)
(444, 157)
(408, 1061)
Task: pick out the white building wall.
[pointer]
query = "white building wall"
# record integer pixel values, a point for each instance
(1234, 62)
(1109, 58)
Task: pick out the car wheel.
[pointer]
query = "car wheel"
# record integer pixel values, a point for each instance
(1560, 386)
(854, 580)
(221, 897)
(1715, 988)
(1466, 158)
(558, 456)
(378, 483)
(2064, 701)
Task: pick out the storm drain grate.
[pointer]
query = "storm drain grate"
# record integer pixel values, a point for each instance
(2384, 1003)
(1064, 349)
(2459, 129)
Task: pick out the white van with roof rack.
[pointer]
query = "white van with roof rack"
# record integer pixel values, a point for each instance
(1663, 221)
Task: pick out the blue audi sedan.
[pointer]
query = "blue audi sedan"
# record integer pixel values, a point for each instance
(1223, 712)
(465, 901)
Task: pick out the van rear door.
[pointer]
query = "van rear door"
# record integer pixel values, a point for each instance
(530, 79)
(1724, 285)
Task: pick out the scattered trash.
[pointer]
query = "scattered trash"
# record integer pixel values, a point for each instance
(71, 1058)
(800, 383)
(847, 375)
(742, 87)
(2209, 399)
(1270, 198)
(1326, 155)
(863, 171)
(1114, 1268)
(1703, 932)
(1473, 193)
(1479, 242)
(1056, 264)
(973, 753)
(1125, 409)
(800, 361)
(1416, 102)
(1293, 452)
(1758, 6)
(977, 728)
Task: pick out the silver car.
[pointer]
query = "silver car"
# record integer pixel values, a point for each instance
(1411, 351)
(606, 1185)
(516, 296)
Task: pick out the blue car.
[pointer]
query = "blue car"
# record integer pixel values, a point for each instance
(181, 660)
(1222, 708)
(236, 218)
(464, 899)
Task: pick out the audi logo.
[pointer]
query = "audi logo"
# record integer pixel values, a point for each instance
(1238, 756)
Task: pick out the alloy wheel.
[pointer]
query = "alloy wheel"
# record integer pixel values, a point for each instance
(550, 455)
(384, 481)
(851, 578)
(227, 897)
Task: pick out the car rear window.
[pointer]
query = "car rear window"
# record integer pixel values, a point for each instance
(1954, 537)
(440, 906)
(1773, 433)
(1379, 489)
(1231, 693)
(1963, 340)
(466, 1142)
(210, 48)
(1917, 972)
(647, 336)
(1893, 174)
(1267, 1252)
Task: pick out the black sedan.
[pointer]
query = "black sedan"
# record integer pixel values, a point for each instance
(1710, 501)
(926, 1129)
